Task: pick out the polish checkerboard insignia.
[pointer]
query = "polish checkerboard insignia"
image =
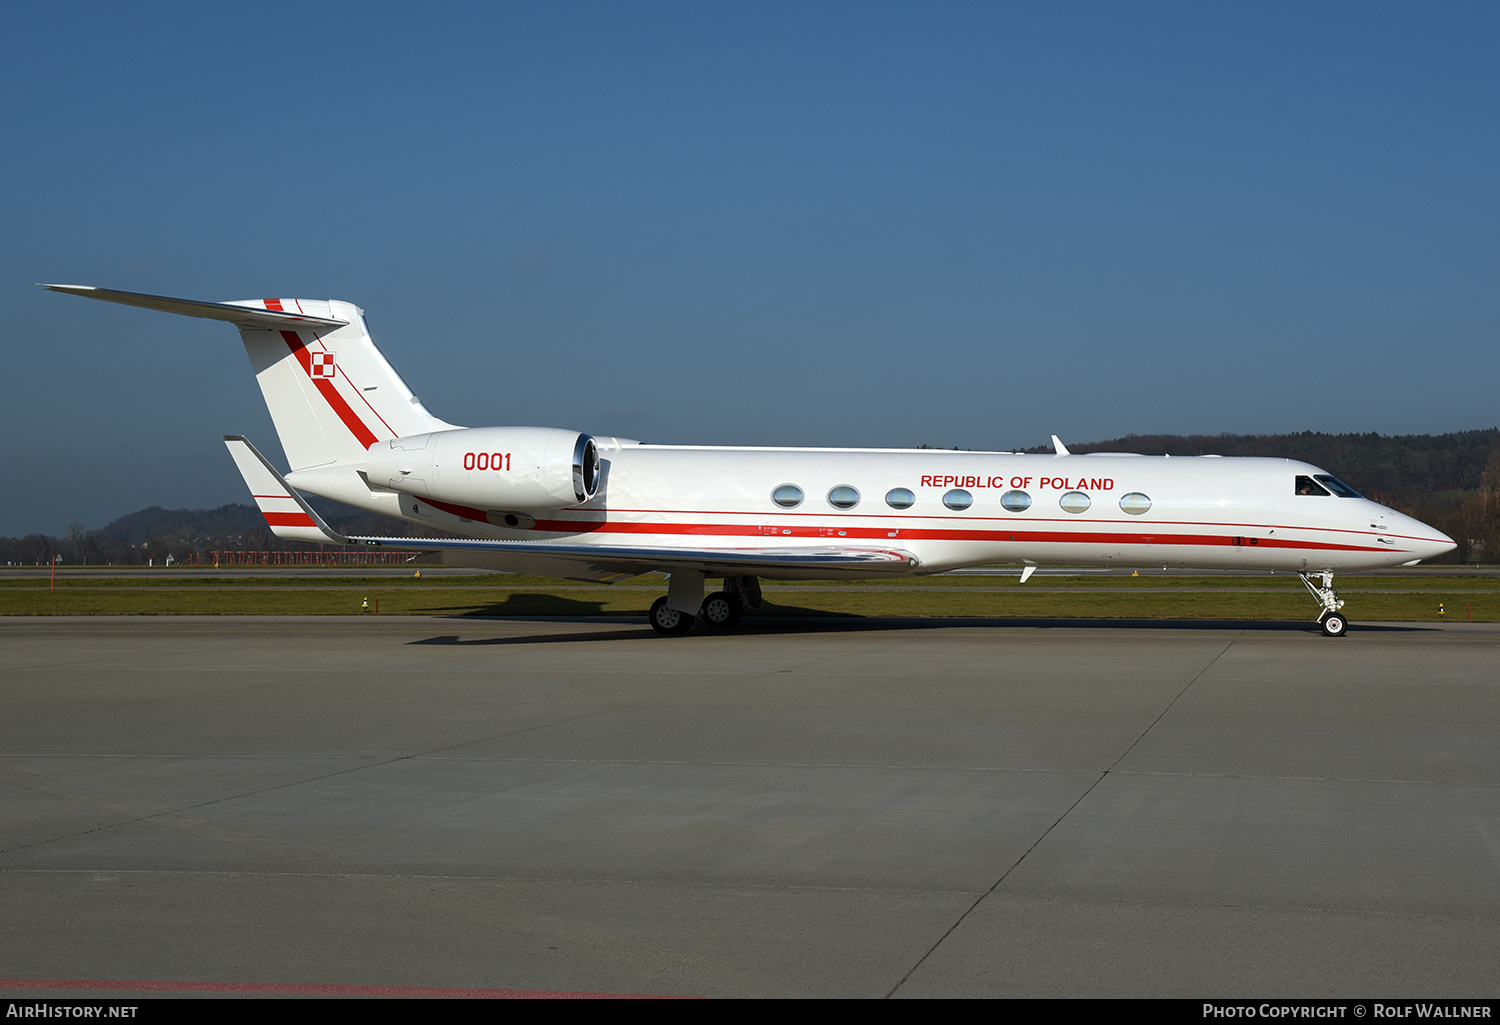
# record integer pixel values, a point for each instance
(322, 364)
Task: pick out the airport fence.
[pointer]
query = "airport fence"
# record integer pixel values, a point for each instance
(357, 557)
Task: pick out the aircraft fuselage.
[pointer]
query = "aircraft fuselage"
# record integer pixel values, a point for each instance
(953, 509)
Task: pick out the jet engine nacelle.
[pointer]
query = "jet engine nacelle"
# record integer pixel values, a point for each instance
(526, 469)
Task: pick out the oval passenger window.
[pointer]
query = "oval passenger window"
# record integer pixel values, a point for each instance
(1015, 501)
(1135, 503)
(843, 497)
(958, 499)
(788, 496)
(900, 498)
(1074, 502)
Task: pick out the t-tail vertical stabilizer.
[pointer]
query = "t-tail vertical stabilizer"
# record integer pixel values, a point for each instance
(330, 392)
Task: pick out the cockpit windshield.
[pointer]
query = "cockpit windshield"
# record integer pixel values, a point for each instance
(1337, 486)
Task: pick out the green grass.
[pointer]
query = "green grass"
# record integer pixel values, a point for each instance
(1370, 599)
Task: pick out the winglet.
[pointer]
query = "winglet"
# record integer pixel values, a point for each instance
(1062, 449)
(287, 513)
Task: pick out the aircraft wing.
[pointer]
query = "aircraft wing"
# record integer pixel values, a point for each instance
(603, 562)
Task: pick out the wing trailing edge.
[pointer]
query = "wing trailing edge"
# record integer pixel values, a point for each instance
(604, 561)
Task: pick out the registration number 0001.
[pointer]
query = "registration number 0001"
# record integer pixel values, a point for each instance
(486, 460)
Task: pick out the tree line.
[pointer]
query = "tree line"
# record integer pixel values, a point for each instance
(151, 535)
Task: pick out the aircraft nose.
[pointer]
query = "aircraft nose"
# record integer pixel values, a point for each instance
(1422, 540)
(1429, 542)
(1439, 543)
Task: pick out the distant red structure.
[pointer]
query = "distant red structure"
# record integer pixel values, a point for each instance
(382, 557)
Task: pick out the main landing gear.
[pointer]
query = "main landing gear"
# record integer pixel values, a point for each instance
(673, 613)
(1331, 618)
(668, 621)
(721, 610)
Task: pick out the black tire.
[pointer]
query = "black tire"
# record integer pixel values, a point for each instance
(667, 621)
(1334, 625)
(721, 610)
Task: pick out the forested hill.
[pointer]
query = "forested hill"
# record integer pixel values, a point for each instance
(153, 534)
(1409, 467)
(241, 521)
(225, 521)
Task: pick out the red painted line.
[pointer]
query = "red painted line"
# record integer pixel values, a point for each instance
(358, 391)
(296, 519)
(314, 989)
(274, 304)
(884, 517)
(337, 369)
(329, 391)
(831, 536)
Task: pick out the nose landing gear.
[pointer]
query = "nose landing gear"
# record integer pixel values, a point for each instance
(1331, 618)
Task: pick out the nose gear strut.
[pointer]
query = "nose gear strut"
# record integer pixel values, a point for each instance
(1331, 619)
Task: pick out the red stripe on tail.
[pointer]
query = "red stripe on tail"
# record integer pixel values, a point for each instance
(329, 392)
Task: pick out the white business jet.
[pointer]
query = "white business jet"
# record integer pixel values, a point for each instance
(561, 503)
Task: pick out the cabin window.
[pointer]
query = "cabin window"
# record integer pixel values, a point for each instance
(1074, 502)
(1015, 501)
(788, 496)
(1337, 486)
(843, 497)
(1308, 486)
(1135, 503)
(900, 498)
(958, 500)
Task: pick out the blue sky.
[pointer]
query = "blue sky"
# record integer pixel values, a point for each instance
(811, 224)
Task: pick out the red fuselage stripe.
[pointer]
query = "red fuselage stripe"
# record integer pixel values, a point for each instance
(883, 519)
(836, 534)
(940, 534)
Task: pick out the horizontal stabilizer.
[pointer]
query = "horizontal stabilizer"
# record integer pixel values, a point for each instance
(234, 313)
(287, 513)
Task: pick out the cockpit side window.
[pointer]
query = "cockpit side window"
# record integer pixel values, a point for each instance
(1308, 486)
(1337, 486)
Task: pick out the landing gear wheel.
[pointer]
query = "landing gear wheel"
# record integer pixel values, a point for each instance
(1330, 619)
(667, 621)
(721, 610)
